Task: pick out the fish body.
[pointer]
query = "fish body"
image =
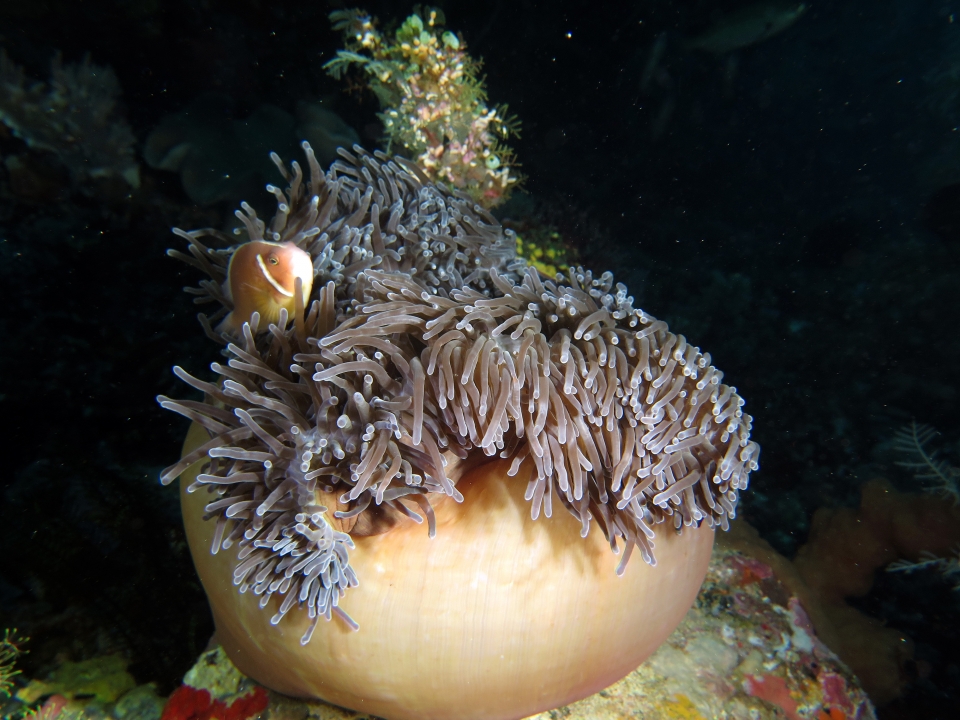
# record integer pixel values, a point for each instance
(262, 278)
(749, 26)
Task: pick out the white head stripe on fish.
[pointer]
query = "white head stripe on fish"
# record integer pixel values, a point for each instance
(270, 279)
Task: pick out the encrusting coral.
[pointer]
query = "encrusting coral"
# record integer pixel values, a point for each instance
(76, 117)
(213, 688)
(97, 687)
(434, 103)
(429, 347)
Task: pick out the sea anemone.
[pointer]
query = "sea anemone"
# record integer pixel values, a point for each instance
(435, 376)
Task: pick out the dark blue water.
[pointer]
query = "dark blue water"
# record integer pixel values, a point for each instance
(791, 203)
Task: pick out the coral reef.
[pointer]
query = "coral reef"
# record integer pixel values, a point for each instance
(188, 703)
(745, 651)
(103, 679)
(76, 117)
(712, 226)
(845, 549)
(434, 103)
(93, 689)
(214, 689)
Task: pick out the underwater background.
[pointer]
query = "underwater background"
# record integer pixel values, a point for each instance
(780, 183)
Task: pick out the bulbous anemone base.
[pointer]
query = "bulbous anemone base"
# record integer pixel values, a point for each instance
(498, 616)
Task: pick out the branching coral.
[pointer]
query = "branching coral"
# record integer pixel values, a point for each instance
(913, 443)
(949, 567)
(434, 104)
(75, 117)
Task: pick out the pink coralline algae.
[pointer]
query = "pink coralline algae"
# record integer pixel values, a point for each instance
(780, 660)
(774, 690)
(746, 651)
(52, 707)
(189, 703)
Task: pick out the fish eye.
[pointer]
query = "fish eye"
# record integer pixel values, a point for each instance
(272, 259)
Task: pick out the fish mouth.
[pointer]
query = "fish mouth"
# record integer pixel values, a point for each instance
(270, 279)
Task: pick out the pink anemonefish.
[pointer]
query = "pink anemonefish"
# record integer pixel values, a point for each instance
(261, 278)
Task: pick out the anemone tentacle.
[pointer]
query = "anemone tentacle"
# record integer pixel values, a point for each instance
(426, 340)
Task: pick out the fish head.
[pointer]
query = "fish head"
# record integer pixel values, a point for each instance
(281, 264)
(262, 277)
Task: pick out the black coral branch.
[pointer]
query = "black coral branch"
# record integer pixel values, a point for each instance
(913, 443)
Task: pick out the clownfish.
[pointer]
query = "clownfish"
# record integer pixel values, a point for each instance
(261, 278)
